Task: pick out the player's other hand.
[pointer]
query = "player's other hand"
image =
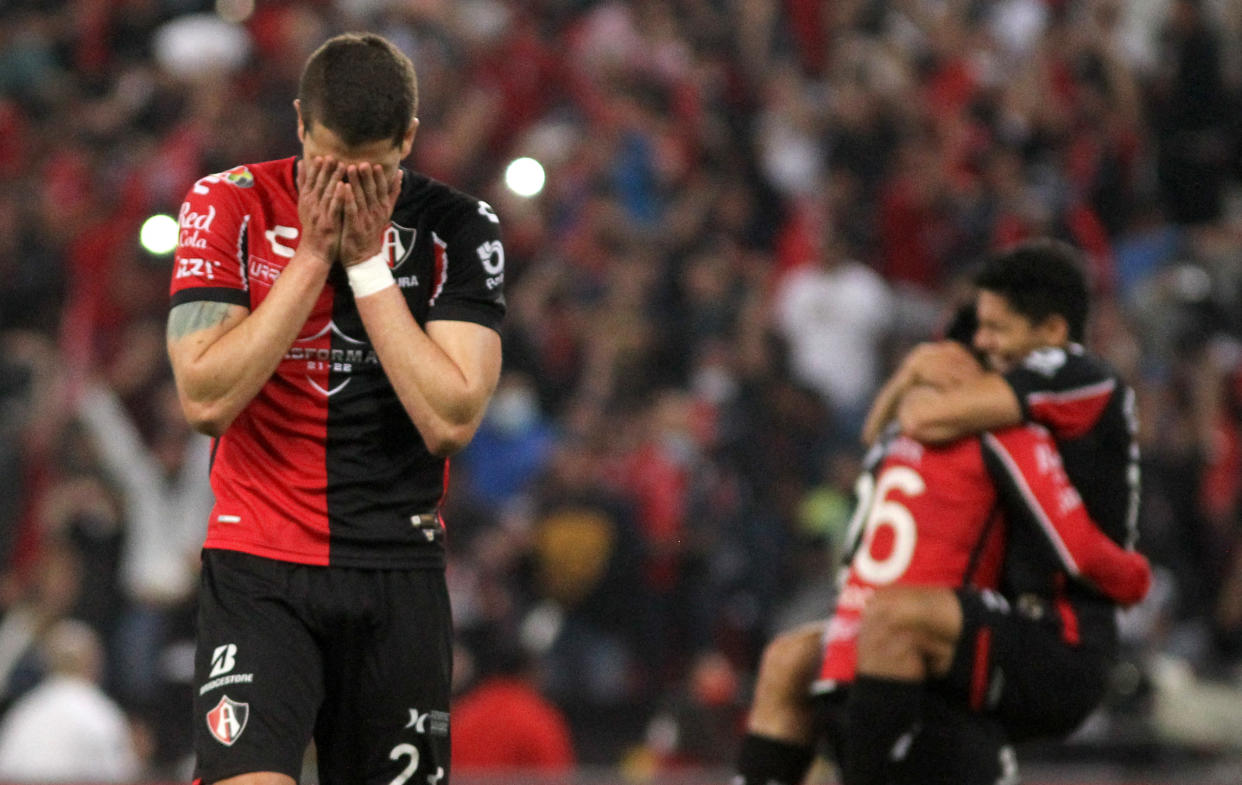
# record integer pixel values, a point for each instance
(1133, 579)
(369, 197)
(942, 365)
(320, 206)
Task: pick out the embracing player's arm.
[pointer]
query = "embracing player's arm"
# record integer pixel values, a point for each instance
(939, 394)
(222, 354)
(936, 416)
(1029, 475)
(444, 375)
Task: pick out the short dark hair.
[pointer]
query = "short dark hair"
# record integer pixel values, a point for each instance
(361, 87)
(1038, 279)
(963, 325)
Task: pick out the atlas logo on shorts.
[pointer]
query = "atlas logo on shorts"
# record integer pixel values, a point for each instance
(227, 720)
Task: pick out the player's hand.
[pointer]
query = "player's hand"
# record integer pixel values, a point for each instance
(320, 206)
(943, 365)
(1131, 579)
(369, 198)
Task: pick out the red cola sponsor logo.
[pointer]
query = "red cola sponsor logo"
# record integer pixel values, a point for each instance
(194, 225)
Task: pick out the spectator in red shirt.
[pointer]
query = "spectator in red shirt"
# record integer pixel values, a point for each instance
(504, 723)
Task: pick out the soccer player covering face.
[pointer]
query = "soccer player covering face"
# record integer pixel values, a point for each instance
(930, 516)
(334, 326)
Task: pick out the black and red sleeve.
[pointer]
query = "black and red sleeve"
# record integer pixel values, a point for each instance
(470, 267)
(1031, 480)
(1063, 389)
(210, 261)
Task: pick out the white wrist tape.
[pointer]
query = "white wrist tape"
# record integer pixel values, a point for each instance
(370, 276)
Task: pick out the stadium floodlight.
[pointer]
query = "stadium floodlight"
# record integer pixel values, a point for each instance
(159, 234)
(524, 176)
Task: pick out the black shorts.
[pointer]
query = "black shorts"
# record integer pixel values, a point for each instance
(1016, 666)
(952, 746)
(359, 660)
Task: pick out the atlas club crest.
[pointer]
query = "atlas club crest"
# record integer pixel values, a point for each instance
(398, 243)
(227, 720)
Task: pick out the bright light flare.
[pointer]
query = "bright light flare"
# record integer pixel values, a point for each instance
(159, 234)
(525, 176)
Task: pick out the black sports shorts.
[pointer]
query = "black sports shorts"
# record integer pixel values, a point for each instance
(359, 660)
(1018, 667)
(949, 746)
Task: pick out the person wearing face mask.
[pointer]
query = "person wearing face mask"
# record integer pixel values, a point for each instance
(512, 446)
(334, 326)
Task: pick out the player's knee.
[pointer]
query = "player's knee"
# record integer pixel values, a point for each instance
(891, 611)
(894, 617)
(899, 620)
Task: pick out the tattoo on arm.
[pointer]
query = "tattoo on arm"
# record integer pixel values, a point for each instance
(191, 317)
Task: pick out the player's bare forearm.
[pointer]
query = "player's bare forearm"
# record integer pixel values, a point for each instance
(884, 407)
(444, 376)
(984, 403)
(223, 354)
(943, 365)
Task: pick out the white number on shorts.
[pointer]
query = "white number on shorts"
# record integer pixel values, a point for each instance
(885, 512)
(410, 768)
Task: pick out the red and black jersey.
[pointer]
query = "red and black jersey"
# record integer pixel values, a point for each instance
(1091, 414)
(939, 516)
(324, 466)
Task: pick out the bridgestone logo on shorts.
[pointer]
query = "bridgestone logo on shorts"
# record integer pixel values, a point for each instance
(224, 681)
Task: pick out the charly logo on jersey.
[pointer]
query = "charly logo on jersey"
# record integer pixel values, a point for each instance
(227, 720)
(398, 244)
(325, 358)
(278, 233)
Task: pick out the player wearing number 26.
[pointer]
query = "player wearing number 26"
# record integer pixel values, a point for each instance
(941, 516)
(334, 326)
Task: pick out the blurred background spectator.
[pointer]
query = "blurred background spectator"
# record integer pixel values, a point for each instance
(67, 729)
(751, 208)
(505, 694)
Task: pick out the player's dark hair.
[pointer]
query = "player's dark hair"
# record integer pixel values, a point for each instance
(963, 325)
(361, 87)
(1039, 279)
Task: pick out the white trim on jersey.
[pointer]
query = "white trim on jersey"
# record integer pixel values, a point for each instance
(241, 260)
(443, 278)
(1033, 504)
(1097, 390)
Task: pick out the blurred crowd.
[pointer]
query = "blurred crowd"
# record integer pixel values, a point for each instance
(752, 208)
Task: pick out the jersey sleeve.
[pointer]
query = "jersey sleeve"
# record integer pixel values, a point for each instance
(470, 269)
(1062, 390)
(1029, 475)
(210, 261)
